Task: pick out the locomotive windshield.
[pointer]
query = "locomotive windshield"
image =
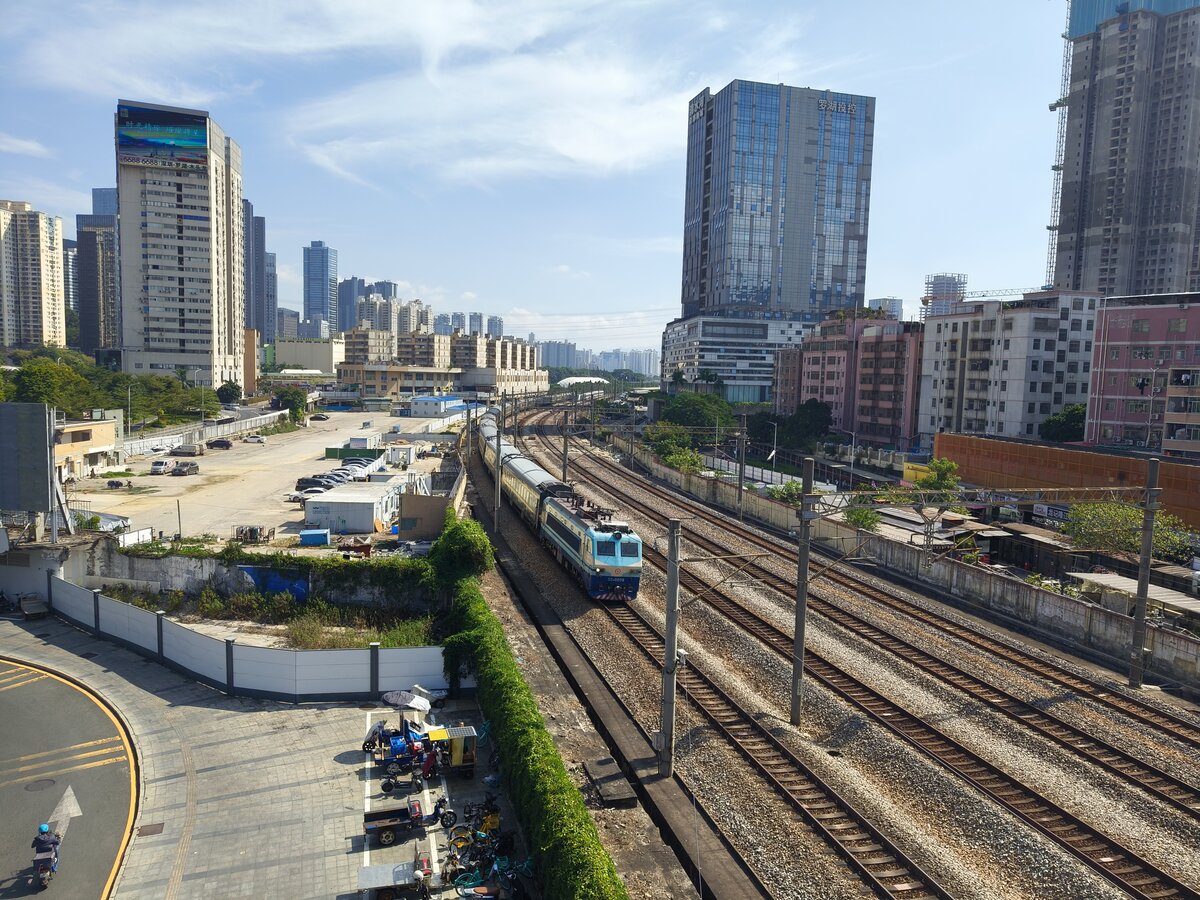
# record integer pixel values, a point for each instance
(606, 548)
(630, 550)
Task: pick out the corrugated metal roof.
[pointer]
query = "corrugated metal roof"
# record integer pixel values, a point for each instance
(1157, 593)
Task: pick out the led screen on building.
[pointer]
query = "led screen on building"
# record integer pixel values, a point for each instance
(156, 137)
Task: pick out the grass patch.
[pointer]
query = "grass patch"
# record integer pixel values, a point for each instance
(123, 473)
(286, 426)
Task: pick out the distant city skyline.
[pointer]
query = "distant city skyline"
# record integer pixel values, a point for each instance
(527, 161)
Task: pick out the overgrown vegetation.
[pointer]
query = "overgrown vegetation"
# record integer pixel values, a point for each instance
(1116, 528)
(572, 861)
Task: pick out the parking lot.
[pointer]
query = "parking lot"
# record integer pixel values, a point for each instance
(246, 485)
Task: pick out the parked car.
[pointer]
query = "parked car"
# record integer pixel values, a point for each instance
(357, 460)
(254, 439)
(301, 496)
(188, 450)
(161, 466)
(220, 444)
(186, 468)
(338, 477)
(320, 417)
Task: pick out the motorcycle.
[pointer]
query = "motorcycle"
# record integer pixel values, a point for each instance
(45, 864)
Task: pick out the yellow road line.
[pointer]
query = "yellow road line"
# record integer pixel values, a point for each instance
(29, 756)
(55, 762)
(9, 687)
(34, 776)
(13, 675)
(133, 770)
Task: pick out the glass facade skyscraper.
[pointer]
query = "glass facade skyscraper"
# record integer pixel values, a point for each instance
(777, 201)
(320, 282)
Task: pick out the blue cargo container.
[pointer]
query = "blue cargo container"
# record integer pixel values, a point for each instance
(314, 537)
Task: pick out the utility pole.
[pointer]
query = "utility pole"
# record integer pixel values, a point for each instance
(802, 535)
(499, 429)
(565, 441)
(1137, 653)
(741, 467)
(671, 654)
(592, 415)
(470, 412)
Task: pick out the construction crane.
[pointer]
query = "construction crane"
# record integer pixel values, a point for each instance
(1002, 292)
(1059, 107)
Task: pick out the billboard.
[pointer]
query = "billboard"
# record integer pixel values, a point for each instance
(161, 138)
(24, 443)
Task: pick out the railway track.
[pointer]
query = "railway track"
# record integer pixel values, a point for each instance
(1100, 852)
(1161, 721)
(882, 865)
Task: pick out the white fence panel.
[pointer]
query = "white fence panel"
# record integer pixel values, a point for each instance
(141, 536)
(73, 602)
(402, 667)
(198, 653)
(333, 671)
(264, 669)
(137, 626)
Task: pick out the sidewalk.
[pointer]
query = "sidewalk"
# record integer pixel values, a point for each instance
(239, 797)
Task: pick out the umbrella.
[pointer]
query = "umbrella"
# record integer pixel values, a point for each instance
(406, 700)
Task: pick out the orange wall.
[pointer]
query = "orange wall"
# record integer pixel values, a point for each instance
(999, 464)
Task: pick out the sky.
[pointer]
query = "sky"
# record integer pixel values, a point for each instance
(526, 159)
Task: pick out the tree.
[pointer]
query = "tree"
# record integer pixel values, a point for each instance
(699, 411)
(863, 518)
(665, 437)
(684, 459)
(230, 392)
(677, 378)
(1116, 528)
(293, 399)
(1065, 425)
(42, 380)
(462, 551)
(72, 327)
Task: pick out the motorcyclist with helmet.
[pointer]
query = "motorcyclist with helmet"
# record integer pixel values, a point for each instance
(46, 841)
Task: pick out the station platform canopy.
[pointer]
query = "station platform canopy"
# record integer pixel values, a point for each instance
(582, 379)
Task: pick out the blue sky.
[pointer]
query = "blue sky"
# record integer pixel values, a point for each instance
(526, 159)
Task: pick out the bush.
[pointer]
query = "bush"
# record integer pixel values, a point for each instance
(549, 807)
(462, 551)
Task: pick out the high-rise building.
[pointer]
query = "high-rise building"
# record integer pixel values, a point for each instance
(271, 298)
(892, 307)
(458, 322)
(257, 314)
(943, 292)
(441, 324)
(104, 201)
(757, 271)
(1129, 150)
(476, 324)
(320, 281)
(32, 305)
(495, 326)
(287, 322)
(349, 290)
(759, 154)
(70, 274)
(181, 235)
(99, 309)
(388, 290)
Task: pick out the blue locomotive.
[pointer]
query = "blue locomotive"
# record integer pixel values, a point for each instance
(605, 555)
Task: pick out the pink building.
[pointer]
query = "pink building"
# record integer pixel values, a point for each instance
(888, 381)
(1145, 387)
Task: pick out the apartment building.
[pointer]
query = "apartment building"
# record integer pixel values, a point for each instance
(32, 292)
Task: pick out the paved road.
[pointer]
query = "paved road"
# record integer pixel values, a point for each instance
(243, 486)
(56, 738)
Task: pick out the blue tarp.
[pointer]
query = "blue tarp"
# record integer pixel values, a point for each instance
(269, 580)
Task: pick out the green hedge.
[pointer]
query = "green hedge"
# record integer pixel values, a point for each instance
(571, 861)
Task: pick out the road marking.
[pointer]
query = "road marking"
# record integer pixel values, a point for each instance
(39, 755)
(34, 776)
(129, 754)
(60, 760)
(9, 687)
(67, 809)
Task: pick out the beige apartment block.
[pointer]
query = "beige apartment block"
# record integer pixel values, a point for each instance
(32, 294)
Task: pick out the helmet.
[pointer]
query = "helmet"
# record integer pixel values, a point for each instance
(43, 828)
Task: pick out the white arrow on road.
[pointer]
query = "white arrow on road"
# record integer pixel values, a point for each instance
(67, 809)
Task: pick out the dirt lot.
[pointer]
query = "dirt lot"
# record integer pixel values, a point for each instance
(247, 485)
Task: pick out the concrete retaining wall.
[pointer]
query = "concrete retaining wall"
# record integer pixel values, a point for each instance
(1172, 656)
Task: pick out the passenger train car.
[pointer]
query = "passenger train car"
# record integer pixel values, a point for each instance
(604, 554)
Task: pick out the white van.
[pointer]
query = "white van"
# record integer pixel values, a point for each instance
(161, 466)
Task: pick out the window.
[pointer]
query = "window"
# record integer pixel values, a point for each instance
(1176, 326)
(1141, 326)
(1004, 365)
(1037, 343)
(629, 550)
(1044, 409)
(1032, 407)
(606, 548)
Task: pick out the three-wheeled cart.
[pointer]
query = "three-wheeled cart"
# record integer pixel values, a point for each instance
(456, 749)
(387, 822)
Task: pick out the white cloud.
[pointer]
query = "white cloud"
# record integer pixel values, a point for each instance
(48, 197)
(22, 146)
(566, 270)
(468, 296)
